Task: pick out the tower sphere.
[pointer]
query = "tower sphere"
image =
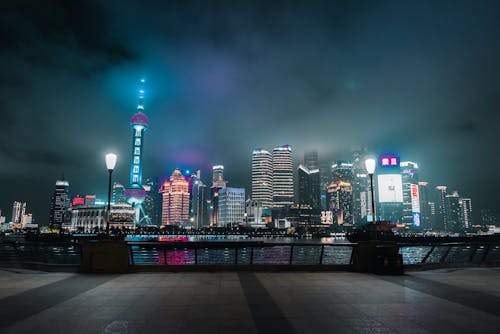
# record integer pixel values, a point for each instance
(139, 118)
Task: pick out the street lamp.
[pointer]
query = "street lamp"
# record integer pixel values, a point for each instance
(110, 164)
(370, 168)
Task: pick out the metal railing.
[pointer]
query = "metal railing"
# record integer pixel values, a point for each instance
(450, 254)
(239, 254)
(58, 253)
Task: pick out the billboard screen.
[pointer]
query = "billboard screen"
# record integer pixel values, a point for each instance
(390, 188)
(389, 161)
(415, 205)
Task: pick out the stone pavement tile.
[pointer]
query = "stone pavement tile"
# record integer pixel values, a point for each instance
(403, 324)
(169, 326)
(197, 327)
(240, 326)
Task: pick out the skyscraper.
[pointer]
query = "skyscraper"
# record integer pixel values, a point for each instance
(175, 206)
(59, 204)
(361, 198)
(441, 223)
(218, 183)
(231, 206)
(150, 203)
(311, 159)
(18, 211)
(452, 212)
(199, 201)
(309, 188)
(426, 206)
(262, 177)
(412, 216)
(282, 176)
(466, 212)
(135, 193)
(339, 196)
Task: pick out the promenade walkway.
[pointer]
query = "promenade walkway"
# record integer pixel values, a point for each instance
(438, 301)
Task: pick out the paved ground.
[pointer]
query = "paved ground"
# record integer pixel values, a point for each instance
(439, 301)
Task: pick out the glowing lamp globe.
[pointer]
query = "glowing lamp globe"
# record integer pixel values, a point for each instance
(111, 161)
(370, 165)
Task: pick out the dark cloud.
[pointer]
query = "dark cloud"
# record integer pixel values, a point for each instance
(417, 77)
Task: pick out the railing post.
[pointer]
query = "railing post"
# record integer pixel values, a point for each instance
(131, 254)
(428, 254)
(486, 250)
(443, 258)
(321, 255)
(473, 253)
(291, 254)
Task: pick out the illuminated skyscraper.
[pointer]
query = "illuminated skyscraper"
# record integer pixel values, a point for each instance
(59, 204)
(18, 211)
(339, 196)
(231, 206)
(175, 206)
(361, 199)
(282, 176)
(441, 209)
(218, 183)
(311, 160)
(412, 216)
(342, 171)
(452, 212)
(262, 177)
(135, 193)
(118, 193)
(199, 203)
(309, 188)
(427, 207)
(466, 212)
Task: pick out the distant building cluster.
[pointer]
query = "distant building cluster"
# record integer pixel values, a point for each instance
(314, 194)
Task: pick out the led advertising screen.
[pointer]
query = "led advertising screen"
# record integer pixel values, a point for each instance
(390, 188)
(415, 205)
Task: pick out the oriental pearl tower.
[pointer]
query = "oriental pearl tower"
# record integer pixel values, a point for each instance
(135, 192)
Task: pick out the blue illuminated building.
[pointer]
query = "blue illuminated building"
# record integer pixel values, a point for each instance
(135, 193)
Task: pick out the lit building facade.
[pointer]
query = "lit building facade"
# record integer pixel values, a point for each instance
(412, 217)
(441, 221)
(262, 177)
(231, 206)
(118, 193)
(283, 176)
(339, 196)
(59, 204)
(218, 183)
(466, 212)
(92, 219)
(309, 188)
(18, 211)
(199, 204)
(453, 212)
(175, 204)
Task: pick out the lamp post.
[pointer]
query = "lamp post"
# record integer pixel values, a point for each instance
(370, 168)
(110, 164)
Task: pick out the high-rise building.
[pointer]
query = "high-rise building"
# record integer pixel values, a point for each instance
(135, 193)
(389, 185)
(452, 212)
(342, 171)
(466, 212)
(282, 176)
(412, 216)
(441, 223)
(118, 193)
(488, 217)
(311, 160)
(18, 211)
(361, 196)
(426, 206)
(231, 206)
(150, 204)
(175, 193)
(309, 188)
(262, 177)
(218, 183)
(90, 200)
(339, 196)
(59, 204)
(199, 211)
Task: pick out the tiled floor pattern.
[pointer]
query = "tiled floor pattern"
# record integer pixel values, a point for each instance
(440, 301)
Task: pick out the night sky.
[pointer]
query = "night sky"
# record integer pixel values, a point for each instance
(418, 78)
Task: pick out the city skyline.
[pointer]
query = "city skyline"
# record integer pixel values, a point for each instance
(238, 77)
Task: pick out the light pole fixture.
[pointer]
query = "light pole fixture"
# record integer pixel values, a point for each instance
(110, 164)
(370, 168)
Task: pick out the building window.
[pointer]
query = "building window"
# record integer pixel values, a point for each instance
(137, 150)
(136, 160)
(138, 133)
(137, 141)
(135, 178)
(136, 169)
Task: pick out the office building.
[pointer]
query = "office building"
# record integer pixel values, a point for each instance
(118, 193)
(412, 216)
(466, 212)
(18, 211)
(59, 204)
(441, 223)
(309, 188)
(262, 177)
(231, 202)
(283, 176)
(426, 205)
(339, 195)
(175, 204)
(311, 160)
(200, 198)
(453, 212)
(389, 185)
